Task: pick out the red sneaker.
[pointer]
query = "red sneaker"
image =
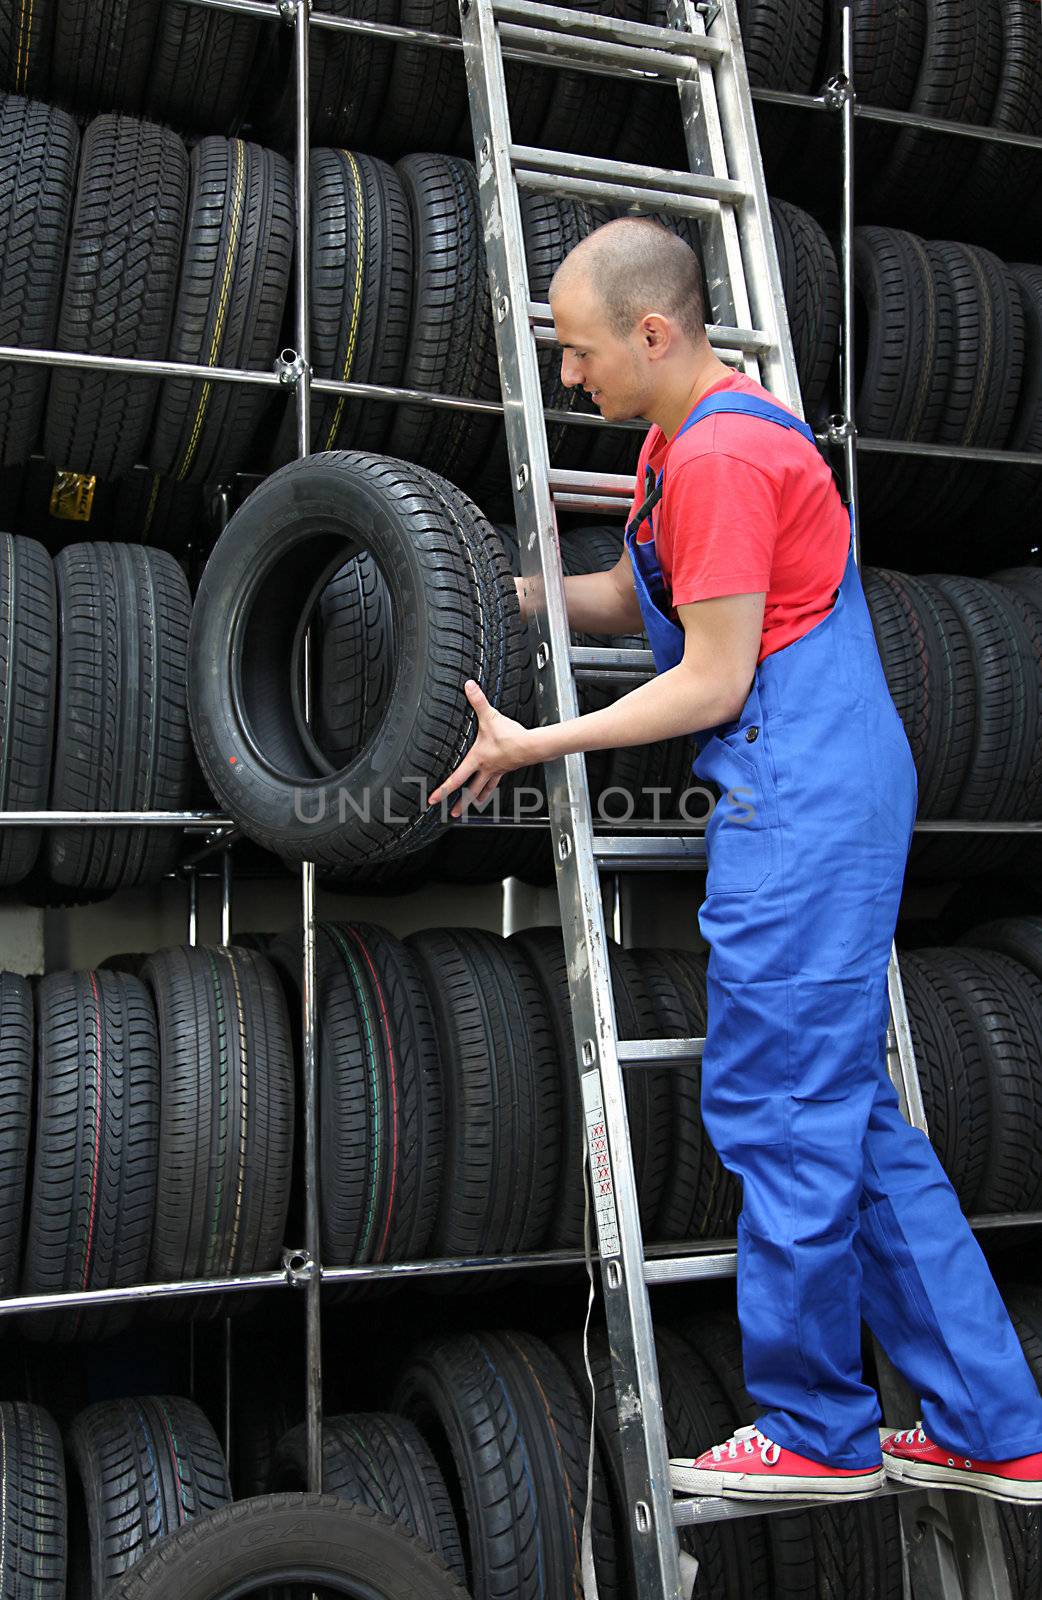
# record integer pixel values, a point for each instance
(748, 1464)
(910, 1457)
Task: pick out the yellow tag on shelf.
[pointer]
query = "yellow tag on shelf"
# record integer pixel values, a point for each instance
(72, 496)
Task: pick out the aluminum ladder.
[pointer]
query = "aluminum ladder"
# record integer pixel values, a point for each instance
(952, 1542)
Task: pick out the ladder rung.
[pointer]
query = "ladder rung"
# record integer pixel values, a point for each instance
(750, 341)
(563, 164)
(690, 1269)
(659, 1052)
(617, 192)
(614, 851)
(547, 47)
(603, 484)
(581, 26)
(692, 1511)
(634, 659)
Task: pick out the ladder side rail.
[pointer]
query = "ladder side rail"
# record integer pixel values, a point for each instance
(641, 1428)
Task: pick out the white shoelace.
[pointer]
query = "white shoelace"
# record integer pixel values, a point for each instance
(749, 1438)
(911, 1435)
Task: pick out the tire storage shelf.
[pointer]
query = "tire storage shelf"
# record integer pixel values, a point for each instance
(222, 391)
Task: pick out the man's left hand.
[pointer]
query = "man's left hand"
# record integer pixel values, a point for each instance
(502, 745)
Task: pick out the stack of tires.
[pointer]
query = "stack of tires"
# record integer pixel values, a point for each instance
(148, 1131)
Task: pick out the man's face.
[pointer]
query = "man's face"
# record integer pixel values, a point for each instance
(610, 369)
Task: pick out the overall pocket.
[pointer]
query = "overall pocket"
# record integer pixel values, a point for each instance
(741, 840)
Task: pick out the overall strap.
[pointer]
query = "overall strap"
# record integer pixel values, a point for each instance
(749, 405)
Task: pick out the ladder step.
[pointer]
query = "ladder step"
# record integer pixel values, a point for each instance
(614, 193)
(659, 1052)
(619, 851)
(593, 658)
(584, 28)
(690, 1269)
(692, 1512)
(748, 341)
(563, 164)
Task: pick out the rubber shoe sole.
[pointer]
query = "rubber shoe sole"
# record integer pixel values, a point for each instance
(934, 1477)
(753, 1486)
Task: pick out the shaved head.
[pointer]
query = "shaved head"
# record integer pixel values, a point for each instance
(637, 266)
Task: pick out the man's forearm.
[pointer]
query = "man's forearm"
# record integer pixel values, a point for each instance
(670, 705)
(592, 602)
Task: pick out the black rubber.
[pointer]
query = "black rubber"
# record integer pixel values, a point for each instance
(349, 76)
(951, 1069)
(122, 723)
(118, 298)
(28, 675)
(381, 1461)
(95, 1142)
(202, 67)
(354, 660)
(140, 1469)
(958, 79)
(506, 1423)
(782, 41)
(35, 1541)
(38, 150)
(501, 1091)
(1005, 1002)
(238, 248)
(102, 52)
(731, 1562)
(361, 297)
(159, 511)
(16, 1087)
(585, 111)
(287, 1538)
(1022, 1525)
(426, 106)
(226, 1117)
(273, 560)
(380, 1094)
(451, 345)
(1015, 493)
(810, 282)
(26, 39)
(1001, 179)
(648, 1091)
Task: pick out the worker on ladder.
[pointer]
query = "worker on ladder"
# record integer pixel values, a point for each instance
(739, 562)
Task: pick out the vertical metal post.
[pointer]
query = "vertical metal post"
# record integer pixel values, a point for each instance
(226, 896)
(847, 271)
(193, 940)
(313, 1397)
(228, 1392)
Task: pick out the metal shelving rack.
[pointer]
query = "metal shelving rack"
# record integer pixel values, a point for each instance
(301, 1268)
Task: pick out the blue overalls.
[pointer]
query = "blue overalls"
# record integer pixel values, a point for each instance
(847, 1213)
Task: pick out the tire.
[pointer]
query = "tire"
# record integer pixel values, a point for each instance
(1015, 495)
(1001, 180)
(33, 1562)
(93, 1194)
(235, 270)
(28, 671)
(1022, 1525)
(26, 35)
(451, 345)
(987, 367)
(38, 151)
(904, 357)
(507, 1416)
(102, 52)
(731, 1562)
(782, 42)
(348, 76)
(143, 1469)
(162, 513)
(290, 1538)
(958, 80)
(501, 1093)
(226, 1117)
(201, 69)
(951, 1069)
(276, 555)
(124, 250)
(380, 1461)
(426, 105)
(648, 1091)
(810, 282)
(121, 734)
(1020, 938)
(1005, 1001)
(380, 1095)
(361, 296)
(16, 1087)
(355, 659)
(888, 48)
(586, 112)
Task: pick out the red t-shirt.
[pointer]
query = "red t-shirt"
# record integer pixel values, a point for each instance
(747, 507)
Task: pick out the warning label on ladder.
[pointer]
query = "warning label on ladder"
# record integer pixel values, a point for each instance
(600, 1166)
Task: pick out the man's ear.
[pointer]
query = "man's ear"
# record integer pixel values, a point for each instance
(655, 334)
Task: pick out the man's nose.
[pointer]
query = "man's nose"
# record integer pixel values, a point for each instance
(570, 371)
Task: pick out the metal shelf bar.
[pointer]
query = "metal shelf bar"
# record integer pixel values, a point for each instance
(901, 119)
(190, 821)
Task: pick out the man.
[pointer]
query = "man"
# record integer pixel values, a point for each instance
(739, 564)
